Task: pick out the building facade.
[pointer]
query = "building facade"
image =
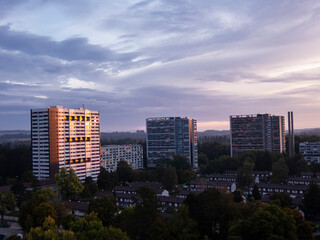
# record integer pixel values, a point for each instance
(65, 138)
(112, 154)
(256, 132)
(168, 136)
(311, 151)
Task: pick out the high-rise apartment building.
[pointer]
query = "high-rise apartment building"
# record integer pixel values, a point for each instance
(65, 138)
(257, 132)
(168, 136)
(112, 154)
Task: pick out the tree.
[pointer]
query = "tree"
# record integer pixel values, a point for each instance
(213, 149)
(145, 211)
(186, 176)
(304, 228)
(203, 159)
(158, 231)
(90, 188)
(105, 207)
(180, 163)
(237, 196)
(68, 183)
(280, 171)
(181, 226)
(19, 191)
(41, 212)
(212, 211)
(7, 203)
(169, 179)
(41, 205)
(48, 230)
(90, 227)
(124, 172)
(107, 180)
(296, 164)
(284, 199)
(269, 222)
(311, 202)
(244, 176)
(255, 193)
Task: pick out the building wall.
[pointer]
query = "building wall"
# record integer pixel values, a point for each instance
(167, 136)
(112, 154)
(69, 138)
(256, 132)
(311, 151)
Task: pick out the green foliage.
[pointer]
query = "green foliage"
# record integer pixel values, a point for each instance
(284, 199)
(169, 178)
(280, 171)
(107, 180)
(105, 207)
(296, 164)
(14, 161)
(237, 196)
(13, 237)
(90, 227)
(68, 183)
(186, 176)
(269, 222)
(221, 164)
(181, 226)
(213, 150)
(124, 172)
(90, 188)
(311, 202)
(304, 229)
(180, 163)
(244, 177)
(41, 212)
(203, 159)
(158, 231)
(7, 203)
(41, 205)
(139, 220)
(212, 211)
(255, 193)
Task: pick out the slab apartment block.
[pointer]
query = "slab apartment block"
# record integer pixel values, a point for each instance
(257, 132)
(168, 136)
(112, 154)
(65, 138)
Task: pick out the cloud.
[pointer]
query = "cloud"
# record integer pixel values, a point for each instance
(138, 59)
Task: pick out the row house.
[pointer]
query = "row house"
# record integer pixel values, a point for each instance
(309, 174)
(268, 188)
(199, 186)
(183, 194)
(222, 178)
(169, 202)
(125, 194)
(303, 181)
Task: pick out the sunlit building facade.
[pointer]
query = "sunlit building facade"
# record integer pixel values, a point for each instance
(168, 136)
(256, 132)
(65, 138)
(112, 154)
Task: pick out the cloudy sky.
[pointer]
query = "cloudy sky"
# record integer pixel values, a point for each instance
(131, 60)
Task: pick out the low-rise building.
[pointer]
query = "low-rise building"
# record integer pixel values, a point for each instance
(268, 188)
(112, 154)
(199, 186)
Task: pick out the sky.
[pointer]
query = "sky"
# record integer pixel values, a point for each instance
(205, 59)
